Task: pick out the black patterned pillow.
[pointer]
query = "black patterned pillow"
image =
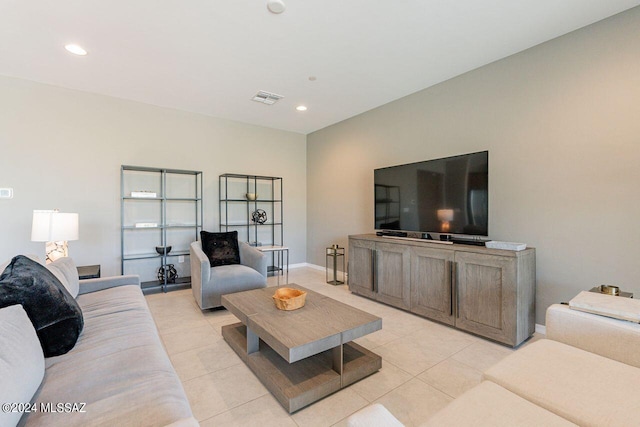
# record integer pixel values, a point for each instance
(221, 248)
(55, 314)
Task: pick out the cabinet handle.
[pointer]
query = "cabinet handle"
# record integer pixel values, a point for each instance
(451, 294)
(454, 284)
(373, 269)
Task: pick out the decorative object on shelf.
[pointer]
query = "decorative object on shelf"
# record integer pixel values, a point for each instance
(146, 225)
(333, 253)
(259, 216)
(289, 299)
(56, 229)
(611, 290)
(163, 250)
(251, 196)
(168, 271)
(509, 246)
(144, 194)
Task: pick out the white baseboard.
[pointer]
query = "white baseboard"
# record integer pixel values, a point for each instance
(299, 265)
(313, 266)
(541, 329)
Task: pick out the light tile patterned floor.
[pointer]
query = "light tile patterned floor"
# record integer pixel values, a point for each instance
(424, 364)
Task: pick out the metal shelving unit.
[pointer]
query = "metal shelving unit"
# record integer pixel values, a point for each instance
(237, 210)
(172, 217)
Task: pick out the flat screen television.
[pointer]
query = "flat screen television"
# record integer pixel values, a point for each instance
(448, 195)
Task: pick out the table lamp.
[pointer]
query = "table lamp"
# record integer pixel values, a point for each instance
(55, 228)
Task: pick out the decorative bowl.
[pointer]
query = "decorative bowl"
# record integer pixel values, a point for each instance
(610, 290)
(251, 196)
(161, 249)
(289, 299)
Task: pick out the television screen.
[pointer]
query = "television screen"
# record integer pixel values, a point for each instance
(448, 195)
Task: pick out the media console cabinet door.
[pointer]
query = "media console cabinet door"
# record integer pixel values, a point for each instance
(431, 284)
(361, 264)
(487, 295)
(393, 274)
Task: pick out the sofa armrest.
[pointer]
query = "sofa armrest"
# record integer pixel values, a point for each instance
(616, 339)
(200, 266)
(251, 257)
(93, 285)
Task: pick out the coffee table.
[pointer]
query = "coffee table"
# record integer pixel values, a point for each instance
(301, 355)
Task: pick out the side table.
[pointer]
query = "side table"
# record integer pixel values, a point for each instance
(280, 252)
(88, 272)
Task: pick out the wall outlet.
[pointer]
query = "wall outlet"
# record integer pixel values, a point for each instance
(6, 193)
(180, 259)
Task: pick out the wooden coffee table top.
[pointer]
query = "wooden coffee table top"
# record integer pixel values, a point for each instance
(323, 323)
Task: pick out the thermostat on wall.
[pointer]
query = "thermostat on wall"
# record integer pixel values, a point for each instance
(6, 193)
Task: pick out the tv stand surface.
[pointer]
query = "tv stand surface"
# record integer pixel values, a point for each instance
(415, 239)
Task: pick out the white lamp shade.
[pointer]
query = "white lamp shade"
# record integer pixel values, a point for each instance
(445, 215)
(53, 226)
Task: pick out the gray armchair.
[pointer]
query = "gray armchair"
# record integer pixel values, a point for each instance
(208, 283)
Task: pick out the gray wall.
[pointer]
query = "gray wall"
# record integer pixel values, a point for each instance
(63, 149)
(561, 122)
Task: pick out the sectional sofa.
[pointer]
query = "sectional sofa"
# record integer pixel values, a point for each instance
(586, 372)
(117, 374)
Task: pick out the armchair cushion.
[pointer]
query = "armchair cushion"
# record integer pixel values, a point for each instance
(228, 279)
(55, 314)
(208, 283)
(221, 248)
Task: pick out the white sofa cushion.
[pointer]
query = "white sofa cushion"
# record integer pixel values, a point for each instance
(612, 338)
(21, 361)
(489, 405)
(572, 383)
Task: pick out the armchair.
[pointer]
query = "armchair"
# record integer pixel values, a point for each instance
(208, 283)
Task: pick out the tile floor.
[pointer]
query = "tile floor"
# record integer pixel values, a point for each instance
(425, 365)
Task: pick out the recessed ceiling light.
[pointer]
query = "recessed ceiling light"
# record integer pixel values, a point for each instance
(301, 108)
(275, 6)
(75, 49)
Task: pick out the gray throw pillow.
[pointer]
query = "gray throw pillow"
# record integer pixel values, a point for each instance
(21, 361)
(65, 270)
(54, 313)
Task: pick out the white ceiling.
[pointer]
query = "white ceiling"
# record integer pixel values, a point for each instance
(212, 56)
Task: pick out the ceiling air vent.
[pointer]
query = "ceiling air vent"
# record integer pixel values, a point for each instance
(266, 97)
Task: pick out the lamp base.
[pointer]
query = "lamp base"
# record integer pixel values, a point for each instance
(56, 250)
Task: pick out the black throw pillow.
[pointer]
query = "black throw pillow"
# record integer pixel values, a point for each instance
(55, 314)
(221, 248)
